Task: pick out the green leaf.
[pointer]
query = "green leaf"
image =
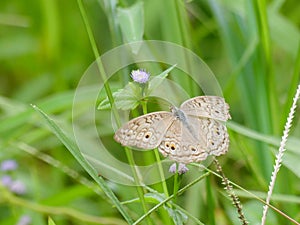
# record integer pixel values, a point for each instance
(17, 45)
(125, 99)
(128, 98)
(157, 80)
(50, 221)
(155, 197)
(105, 104)
(131, 22)
(178, 217)
(282, 28)
(292, 144)
(70, 144)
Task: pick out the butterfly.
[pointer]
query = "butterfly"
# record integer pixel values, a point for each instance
(186, 134)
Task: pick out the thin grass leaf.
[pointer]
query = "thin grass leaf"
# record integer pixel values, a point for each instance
(170, 198)
(179, 218)
(157, 80)
(292, 155)
(13, 46)
(254, 82)
(131, 21)
(284, 29)
(50, 221)
(73, 149)
(276, 197)
(293, 85)
(155, 196)
(293, 144)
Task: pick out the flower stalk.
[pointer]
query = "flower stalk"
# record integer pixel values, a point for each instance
(280, 154)
(232, 195)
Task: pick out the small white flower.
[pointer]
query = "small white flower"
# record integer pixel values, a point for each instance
(140, 76)
(24, 220)
(172, 168)
(18, 187)
(9, 165)
(182, 168)
(6, 181)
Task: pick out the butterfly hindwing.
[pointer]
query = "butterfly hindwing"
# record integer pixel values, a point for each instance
(171, 139)
(145, 131)
(211, 134)
(181, 145)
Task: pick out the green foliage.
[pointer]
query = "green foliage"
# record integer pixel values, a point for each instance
(131, 21)
(45, 48)
(132, 94)
(50, 221)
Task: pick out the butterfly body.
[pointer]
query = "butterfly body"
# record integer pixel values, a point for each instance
(180, 115)
(186, 134)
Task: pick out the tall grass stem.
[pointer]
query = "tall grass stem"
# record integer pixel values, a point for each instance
(280, 153)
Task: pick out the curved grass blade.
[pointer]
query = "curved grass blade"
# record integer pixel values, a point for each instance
(73, 149)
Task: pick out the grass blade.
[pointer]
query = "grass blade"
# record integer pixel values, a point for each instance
(73, 149)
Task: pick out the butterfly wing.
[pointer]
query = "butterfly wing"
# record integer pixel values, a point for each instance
(180, 145)
(145, 131)
(213, 107)
(186, 135)
(195, 140)
(204, 114)
(212, 134)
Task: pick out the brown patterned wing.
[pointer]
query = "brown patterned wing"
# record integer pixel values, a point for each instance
(146, 131)
(213, 107)
(180, 145)
(212, 134)
(195, 141)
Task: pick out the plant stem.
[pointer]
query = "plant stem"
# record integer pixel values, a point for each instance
(170, 197)
(253, 195)
(176, 186)
(280, 153)
(157, 158)
(229, 189)
(111, 100)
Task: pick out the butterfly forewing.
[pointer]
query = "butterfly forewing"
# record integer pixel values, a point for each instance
(213, 107)
(146, 131)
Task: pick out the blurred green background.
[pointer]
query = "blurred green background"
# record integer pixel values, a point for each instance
(251, 46)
